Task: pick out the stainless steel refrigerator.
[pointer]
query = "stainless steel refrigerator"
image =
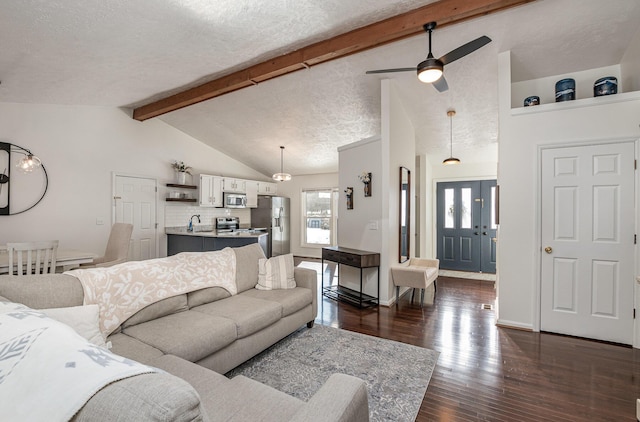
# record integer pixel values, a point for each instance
(273, 214)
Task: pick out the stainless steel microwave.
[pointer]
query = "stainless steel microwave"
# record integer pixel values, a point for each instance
(235, 200)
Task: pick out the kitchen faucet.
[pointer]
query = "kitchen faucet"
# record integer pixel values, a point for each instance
(190, 228)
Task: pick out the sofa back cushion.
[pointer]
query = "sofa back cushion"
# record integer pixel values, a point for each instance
(208, 295)
(42, 291)
(247, 266)
(168, 306)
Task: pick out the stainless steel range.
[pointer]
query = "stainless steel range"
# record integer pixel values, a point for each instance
(227, 224)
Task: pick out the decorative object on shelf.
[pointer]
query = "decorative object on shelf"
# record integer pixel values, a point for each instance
(565, 90)
(180, 195)
(282, 176)
(31, 188)
(349, 193)
(365, 177)
(534, 100)
(451, 160)
(605, 86)
(181, 171)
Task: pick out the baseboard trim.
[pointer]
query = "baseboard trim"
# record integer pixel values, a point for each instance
(513, 324)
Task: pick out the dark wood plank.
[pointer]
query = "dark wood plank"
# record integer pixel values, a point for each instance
(490, 373)
(445, 12)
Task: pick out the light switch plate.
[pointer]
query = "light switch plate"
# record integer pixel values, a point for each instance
(373, 225)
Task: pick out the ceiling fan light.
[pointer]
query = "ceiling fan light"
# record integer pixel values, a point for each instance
(451, 161)
(430, 70)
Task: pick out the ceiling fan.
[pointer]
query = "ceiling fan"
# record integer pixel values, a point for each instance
(430, 70)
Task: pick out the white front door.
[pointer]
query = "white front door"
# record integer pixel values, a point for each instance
(135, 203)
(587, 210)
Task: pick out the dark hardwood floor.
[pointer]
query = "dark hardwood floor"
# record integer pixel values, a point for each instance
(497, 374)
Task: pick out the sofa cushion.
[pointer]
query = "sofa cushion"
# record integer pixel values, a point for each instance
(83, 319)
(144, 398)
(208, 295)
(249, 314)
(189, 335)
(43, 291)
(134, 349)
(238, 399)
(168, 306)
(276, 273)
(292, 300)
(247, 266)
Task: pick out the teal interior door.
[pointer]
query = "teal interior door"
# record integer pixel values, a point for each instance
(466, 227)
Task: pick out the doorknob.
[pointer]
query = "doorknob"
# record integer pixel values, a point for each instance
(548, 249)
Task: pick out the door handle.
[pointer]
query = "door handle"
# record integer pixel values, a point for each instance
(548, 249)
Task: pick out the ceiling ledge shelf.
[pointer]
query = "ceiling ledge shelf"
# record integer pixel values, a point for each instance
(579, 103)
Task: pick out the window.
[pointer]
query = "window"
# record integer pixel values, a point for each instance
(319, 217)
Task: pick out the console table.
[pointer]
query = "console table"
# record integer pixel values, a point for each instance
(353, 258)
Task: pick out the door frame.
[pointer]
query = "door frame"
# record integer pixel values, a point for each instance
(537, 288)
(114, 175)
(434, 203)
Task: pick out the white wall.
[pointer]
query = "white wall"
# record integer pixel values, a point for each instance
(81, 147)
(293, 190)
(521, 134)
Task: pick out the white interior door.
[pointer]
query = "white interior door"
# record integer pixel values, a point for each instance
(135, 203)
(587, 285)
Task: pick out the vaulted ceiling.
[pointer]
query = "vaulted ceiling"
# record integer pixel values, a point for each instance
(128, 54)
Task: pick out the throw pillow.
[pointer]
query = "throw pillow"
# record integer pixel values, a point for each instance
(276, 273)
(83, 319)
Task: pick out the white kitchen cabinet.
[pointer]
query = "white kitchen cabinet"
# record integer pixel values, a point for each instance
(234, 185)
(210, 191)
(251, 187)
(267, 188)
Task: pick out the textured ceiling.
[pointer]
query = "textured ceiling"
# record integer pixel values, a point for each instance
(126, 53)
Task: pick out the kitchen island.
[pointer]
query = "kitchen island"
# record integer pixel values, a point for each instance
(208, 239)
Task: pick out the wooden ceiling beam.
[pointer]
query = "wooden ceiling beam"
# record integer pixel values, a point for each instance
(444, 12)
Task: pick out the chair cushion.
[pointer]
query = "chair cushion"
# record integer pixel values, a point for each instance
(189, 335)
(249, 314)
(292, 300)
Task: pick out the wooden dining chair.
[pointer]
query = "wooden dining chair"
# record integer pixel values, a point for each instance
(32, 257)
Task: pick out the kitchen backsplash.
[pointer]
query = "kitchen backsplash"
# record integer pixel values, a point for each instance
(176, 215)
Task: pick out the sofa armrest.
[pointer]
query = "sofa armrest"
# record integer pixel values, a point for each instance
(342, 398)
(308, 278)
(424, 262)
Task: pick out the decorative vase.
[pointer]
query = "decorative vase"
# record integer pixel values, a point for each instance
(605, 86)
(367, 189)
(181, 177)
(565, 90)
(349, 202)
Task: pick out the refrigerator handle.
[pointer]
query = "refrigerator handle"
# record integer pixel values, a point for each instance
(279, 219)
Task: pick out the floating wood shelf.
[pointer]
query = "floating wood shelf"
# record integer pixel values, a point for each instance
(175, 185)
(182, 200)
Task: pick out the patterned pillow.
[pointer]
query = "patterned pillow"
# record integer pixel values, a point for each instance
(276, 273)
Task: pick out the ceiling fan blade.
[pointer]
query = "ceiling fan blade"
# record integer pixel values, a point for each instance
(401, 69)
(465, 49)
(440, 84)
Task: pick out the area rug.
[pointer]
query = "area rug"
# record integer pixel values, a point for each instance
(396, 374)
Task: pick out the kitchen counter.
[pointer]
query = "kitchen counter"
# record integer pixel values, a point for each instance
(209, 239)
(210, 232)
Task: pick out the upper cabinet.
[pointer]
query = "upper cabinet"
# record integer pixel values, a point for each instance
(251, 187)
(210, 191)
(234, 185)
(267, 188)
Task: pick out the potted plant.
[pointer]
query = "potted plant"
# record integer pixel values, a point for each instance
(181, 171)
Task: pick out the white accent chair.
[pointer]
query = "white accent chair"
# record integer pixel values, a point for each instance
(117, 247)
(418, 273)
(32, 257)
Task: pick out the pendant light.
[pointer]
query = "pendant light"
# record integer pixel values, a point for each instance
(282, 176)
(451, 160)
(29, 162)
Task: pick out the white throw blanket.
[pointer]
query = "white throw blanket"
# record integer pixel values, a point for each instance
(124, 289)
(47, 371)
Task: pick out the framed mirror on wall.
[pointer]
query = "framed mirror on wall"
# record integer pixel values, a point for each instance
(405, 214)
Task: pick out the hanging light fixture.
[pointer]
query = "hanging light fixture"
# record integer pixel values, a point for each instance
(29, 162)
(282, 176)
(451, 160)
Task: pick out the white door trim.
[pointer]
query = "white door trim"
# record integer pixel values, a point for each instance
(114, 175)
(537, 290)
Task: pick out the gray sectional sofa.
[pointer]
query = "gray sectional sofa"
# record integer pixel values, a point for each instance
(196, 337)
